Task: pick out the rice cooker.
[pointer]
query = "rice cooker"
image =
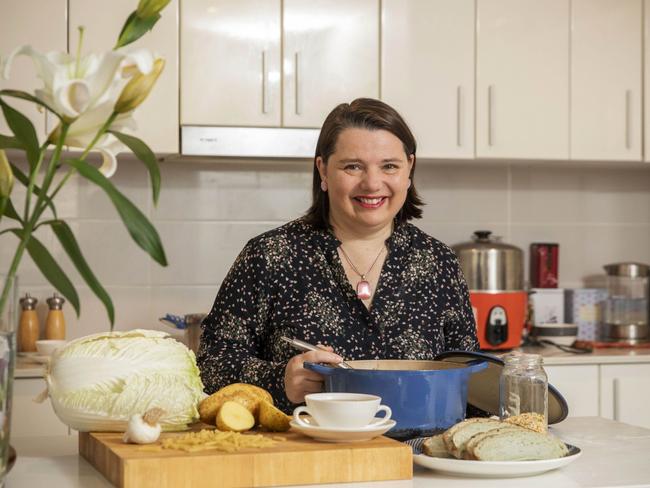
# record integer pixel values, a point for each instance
(495, 275)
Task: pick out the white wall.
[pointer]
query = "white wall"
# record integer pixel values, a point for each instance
(207, 212)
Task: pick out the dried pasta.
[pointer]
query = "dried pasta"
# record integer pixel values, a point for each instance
(214, 439)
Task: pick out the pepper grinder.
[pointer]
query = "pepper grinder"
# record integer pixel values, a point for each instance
(55, 322)
(29, 327)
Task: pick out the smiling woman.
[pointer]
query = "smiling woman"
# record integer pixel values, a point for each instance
(353, 273)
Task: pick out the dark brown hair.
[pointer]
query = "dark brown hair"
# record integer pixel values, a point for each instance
(362, 113)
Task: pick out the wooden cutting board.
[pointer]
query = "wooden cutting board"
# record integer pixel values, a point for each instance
(296, 461)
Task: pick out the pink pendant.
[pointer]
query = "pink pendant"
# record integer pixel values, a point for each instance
(363, 290)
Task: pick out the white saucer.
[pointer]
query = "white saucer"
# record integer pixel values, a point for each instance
(329, 434)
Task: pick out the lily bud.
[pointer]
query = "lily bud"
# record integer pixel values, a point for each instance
(137, 89)
(6, 176)
(148, 8)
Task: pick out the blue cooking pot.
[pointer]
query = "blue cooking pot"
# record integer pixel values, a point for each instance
(426, 397)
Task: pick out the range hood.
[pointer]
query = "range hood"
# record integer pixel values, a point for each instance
(262, 142)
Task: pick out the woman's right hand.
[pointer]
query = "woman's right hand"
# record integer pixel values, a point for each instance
(299, 381)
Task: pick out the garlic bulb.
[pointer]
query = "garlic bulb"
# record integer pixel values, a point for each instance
(144, 429)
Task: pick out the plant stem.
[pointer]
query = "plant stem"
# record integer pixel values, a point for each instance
(71, 171)
(30, 222)
(30, 187)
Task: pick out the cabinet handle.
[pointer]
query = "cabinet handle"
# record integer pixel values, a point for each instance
(264, 84)
(458, 114)
(615, 394)
(490, 135)
(628, 99)
(296, 80)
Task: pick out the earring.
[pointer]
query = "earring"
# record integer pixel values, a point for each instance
(323, 185)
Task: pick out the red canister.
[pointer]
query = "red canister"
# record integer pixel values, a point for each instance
(544, 259)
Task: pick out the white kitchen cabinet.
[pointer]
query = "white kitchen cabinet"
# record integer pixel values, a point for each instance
(330, 56)
(427, 72)
(579, 385)
(522, 79)
(230, 62)
(29, 418)
(606, 75)
(625, 393)
(43, 25)
(157, 117)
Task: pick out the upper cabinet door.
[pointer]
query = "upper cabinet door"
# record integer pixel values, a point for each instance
(522, 79)
(606, 98)
(157, 117)
(42, 24)
(427, 72)
(230, 62)
(331, 56)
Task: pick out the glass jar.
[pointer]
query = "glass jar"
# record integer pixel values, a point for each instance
(523, 389)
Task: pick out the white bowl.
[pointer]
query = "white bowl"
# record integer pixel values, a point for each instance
(47, 347)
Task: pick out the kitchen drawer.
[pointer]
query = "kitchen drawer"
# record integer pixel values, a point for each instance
(579, 385)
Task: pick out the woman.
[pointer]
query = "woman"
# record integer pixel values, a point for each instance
(352, 273)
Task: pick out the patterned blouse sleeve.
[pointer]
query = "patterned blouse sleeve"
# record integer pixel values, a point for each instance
(459, 324)
(236, 328)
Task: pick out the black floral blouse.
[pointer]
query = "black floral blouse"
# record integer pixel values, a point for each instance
(290, 282)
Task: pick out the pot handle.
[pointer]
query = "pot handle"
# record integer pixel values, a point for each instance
(476, 365)
(319, 368)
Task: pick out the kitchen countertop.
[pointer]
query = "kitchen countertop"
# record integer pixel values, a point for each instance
(613, 455)
(26, 368)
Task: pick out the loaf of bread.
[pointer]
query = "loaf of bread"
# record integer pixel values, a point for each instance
(493, 440)
(518, 444)
(435, 447)
(458, 435)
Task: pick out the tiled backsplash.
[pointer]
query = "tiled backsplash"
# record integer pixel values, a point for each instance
(207, 212)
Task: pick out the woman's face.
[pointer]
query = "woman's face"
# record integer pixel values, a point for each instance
(367, 178)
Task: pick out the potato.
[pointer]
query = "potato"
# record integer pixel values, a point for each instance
(234, 417)
(272, 418)
(249, 396)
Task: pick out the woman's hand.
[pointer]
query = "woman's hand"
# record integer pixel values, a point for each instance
(299, 381)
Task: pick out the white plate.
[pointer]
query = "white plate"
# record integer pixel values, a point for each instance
(494, 469)
(376, 428)
(39, 359)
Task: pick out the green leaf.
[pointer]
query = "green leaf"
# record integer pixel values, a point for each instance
(10, 211)
(24, 179)
(134, 28)
(8, 142)
(50, 269)
(144, 154)
(141, 230)
(30, 98)
(24, 131)
(67, 239)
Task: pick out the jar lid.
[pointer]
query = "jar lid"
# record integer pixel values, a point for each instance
(629, 270)
(483, 387)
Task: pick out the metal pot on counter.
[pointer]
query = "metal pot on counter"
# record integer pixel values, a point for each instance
(425, 397)
(495, 275)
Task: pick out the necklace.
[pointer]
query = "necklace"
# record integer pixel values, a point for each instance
(363, 287)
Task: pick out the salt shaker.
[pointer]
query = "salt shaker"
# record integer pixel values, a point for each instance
(523, 389)
(28, 329)
(55, 323)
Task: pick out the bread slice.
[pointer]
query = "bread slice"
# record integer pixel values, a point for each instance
(473, 441)
(447, 435)
(435, 447)
(518, 445)
(455, 442)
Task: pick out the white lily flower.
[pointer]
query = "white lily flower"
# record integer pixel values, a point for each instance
(74, 85)
(84, 90)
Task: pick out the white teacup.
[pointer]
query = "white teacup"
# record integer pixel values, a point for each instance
(342, 410)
